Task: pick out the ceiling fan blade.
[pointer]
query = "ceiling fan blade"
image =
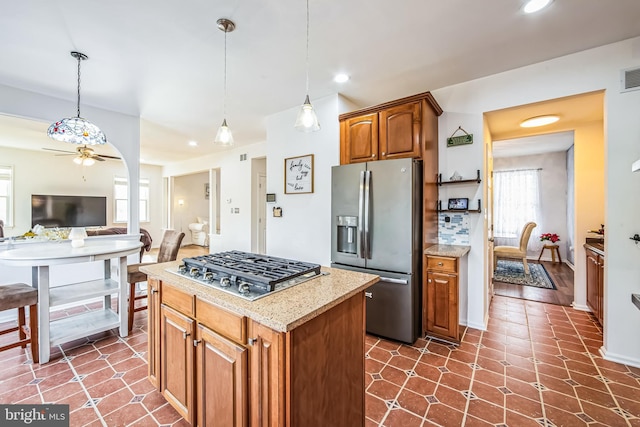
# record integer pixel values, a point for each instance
(68, 154)
(60, 151)
(98, 158)
(109, 157)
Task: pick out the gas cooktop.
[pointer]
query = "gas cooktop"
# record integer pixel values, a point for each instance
(250, 276)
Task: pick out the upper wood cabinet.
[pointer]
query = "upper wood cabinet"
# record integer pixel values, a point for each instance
(397, 129)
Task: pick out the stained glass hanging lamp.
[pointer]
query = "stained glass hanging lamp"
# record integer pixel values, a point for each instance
(77, 130)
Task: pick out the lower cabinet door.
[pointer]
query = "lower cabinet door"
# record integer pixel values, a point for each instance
(177, 361)
(442, 305)
(222, 380)
(268, 377)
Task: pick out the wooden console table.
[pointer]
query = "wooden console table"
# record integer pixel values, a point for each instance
(40, 256)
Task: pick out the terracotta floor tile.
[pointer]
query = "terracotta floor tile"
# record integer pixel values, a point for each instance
(437, 348)
(486, 411)
(427, 371)
(374, 407)
(490, 378)
(372, 366)
(451, 397)
(166, 414)
(75, 401)
(433, 359)
(621, 378)
(97, 377)
(455, 381)
(105, 388)
(402, 362)
(472, 421)
(489, 393)
(400, 417)
(460, 368)
(394, 375)
(383, 389)
(631, 406)
(55, 380)
(413, 402)
(522, 388)
(525, 375)
(62, 391)
(552, 383)
(114, 401)
(126, 415)
(388, 345)
(136, 374)
(422, 386)
(559, 372)
(491, 365)
(463, 356)
(603, 415)
(623, 390)
(561, 401)
(83, 417)
(524, 406)
(444, 415)
(410, 352)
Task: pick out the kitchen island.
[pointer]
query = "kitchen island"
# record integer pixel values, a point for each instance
(291, 358)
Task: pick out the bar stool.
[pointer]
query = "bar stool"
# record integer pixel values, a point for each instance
(554, 250)
(19, 296)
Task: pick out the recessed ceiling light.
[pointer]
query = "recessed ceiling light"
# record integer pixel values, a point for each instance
(341, 78)
(539, 121)
(533, 6)
(193, 144)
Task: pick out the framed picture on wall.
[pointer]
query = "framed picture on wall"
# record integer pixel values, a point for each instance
(206, 191)
(298, 174)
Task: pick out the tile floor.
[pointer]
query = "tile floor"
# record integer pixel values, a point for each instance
(536, 365)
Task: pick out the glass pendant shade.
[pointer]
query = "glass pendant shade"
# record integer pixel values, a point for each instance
(224, 136)
(307, 120)
(77, 130)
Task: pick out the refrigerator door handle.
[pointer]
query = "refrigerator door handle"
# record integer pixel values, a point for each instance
(361, 243)
(367, 206)
(396, 281)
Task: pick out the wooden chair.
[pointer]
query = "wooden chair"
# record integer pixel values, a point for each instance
(19, 296)
(169, 248)
(515, 252)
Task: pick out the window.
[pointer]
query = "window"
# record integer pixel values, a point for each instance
(120, 204)
(6, 195)
(516, 201)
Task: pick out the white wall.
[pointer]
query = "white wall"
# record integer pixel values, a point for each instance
(553, 198)
(191, 189)
(304, 230)
(587, 71)
(44, 173)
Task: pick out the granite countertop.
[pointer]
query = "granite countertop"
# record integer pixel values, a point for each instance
(597, 247)
(282, 311)
(457, 251)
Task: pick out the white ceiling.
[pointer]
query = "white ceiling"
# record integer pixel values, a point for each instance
(163, 59)
(530, 145)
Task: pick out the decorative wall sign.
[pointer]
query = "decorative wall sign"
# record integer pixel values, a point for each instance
(298, 174)
(453, 141)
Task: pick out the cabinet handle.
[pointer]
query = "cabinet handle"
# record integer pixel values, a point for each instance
(252, 341)
(154, 291)
(185, 334)
(196, 342)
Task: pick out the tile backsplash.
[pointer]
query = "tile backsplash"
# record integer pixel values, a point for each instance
(454, 232)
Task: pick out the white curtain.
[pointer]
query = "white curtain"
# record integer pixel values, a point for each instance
(516, 202)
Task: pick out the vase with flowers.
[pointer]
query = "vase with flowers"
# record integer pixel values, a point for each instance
(552, 237)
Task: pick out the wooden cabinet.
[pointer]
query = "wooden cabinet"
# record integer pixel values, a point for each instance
(153, 330)
(396, 129)
(595, 283)
(221, 368)
(440, 298)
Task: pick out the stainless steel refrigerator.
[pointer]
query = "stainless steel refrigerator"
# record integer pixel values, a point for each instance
(376, 227)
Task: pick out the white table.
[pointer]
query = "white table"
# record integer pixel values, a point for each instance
(40, 256)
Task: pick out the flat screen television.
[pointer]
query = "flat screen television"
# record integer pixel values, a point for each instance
(68, 211)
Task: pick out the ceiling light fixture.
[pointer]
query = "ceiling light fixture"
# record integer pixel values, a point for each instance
(539, 121)
(307, 121)
(77, 130)
(224, 136)
(341, 78)
(533, 6)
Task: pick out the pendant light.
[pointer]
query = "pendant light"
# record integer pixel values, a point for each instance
(224, 136)
(307, 121)
(77, 130)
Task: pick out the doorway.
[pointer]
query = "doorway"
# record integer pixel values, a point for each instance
(563, 153)
(259, 205)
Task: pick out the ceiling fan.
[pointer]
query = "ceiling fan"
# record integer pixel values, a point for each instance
(84, 155)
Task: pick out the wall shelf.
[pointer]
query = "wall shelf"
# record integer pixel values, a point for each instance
(479, 210)
(476, 180)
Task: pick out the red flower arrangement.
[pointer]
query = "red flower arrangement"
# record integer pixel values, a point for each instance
(549, 236)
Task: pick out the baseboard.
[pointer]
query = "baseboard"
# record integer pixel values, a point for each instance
(612, 357)
(580, 307)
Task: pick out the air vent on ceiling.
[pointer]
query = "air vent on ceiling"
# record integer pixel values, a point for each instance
(629, 79)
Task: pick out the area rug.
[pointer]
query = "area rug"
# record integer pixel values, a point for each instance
(513, 272)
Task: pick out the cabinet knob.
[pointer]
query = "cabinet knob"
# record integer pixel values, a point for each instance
(196, 342)
(429, 281)
(383, 153)
(185, 335)
(373, 155)
(440, 264)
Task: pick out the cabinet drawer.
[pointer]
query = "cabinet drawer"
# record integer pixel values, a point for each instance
(442, 264)
(177, 299)
(222, 321)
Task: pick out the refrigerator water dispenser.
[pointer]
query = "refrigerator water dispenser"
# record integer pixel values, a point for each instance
(347, 231)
